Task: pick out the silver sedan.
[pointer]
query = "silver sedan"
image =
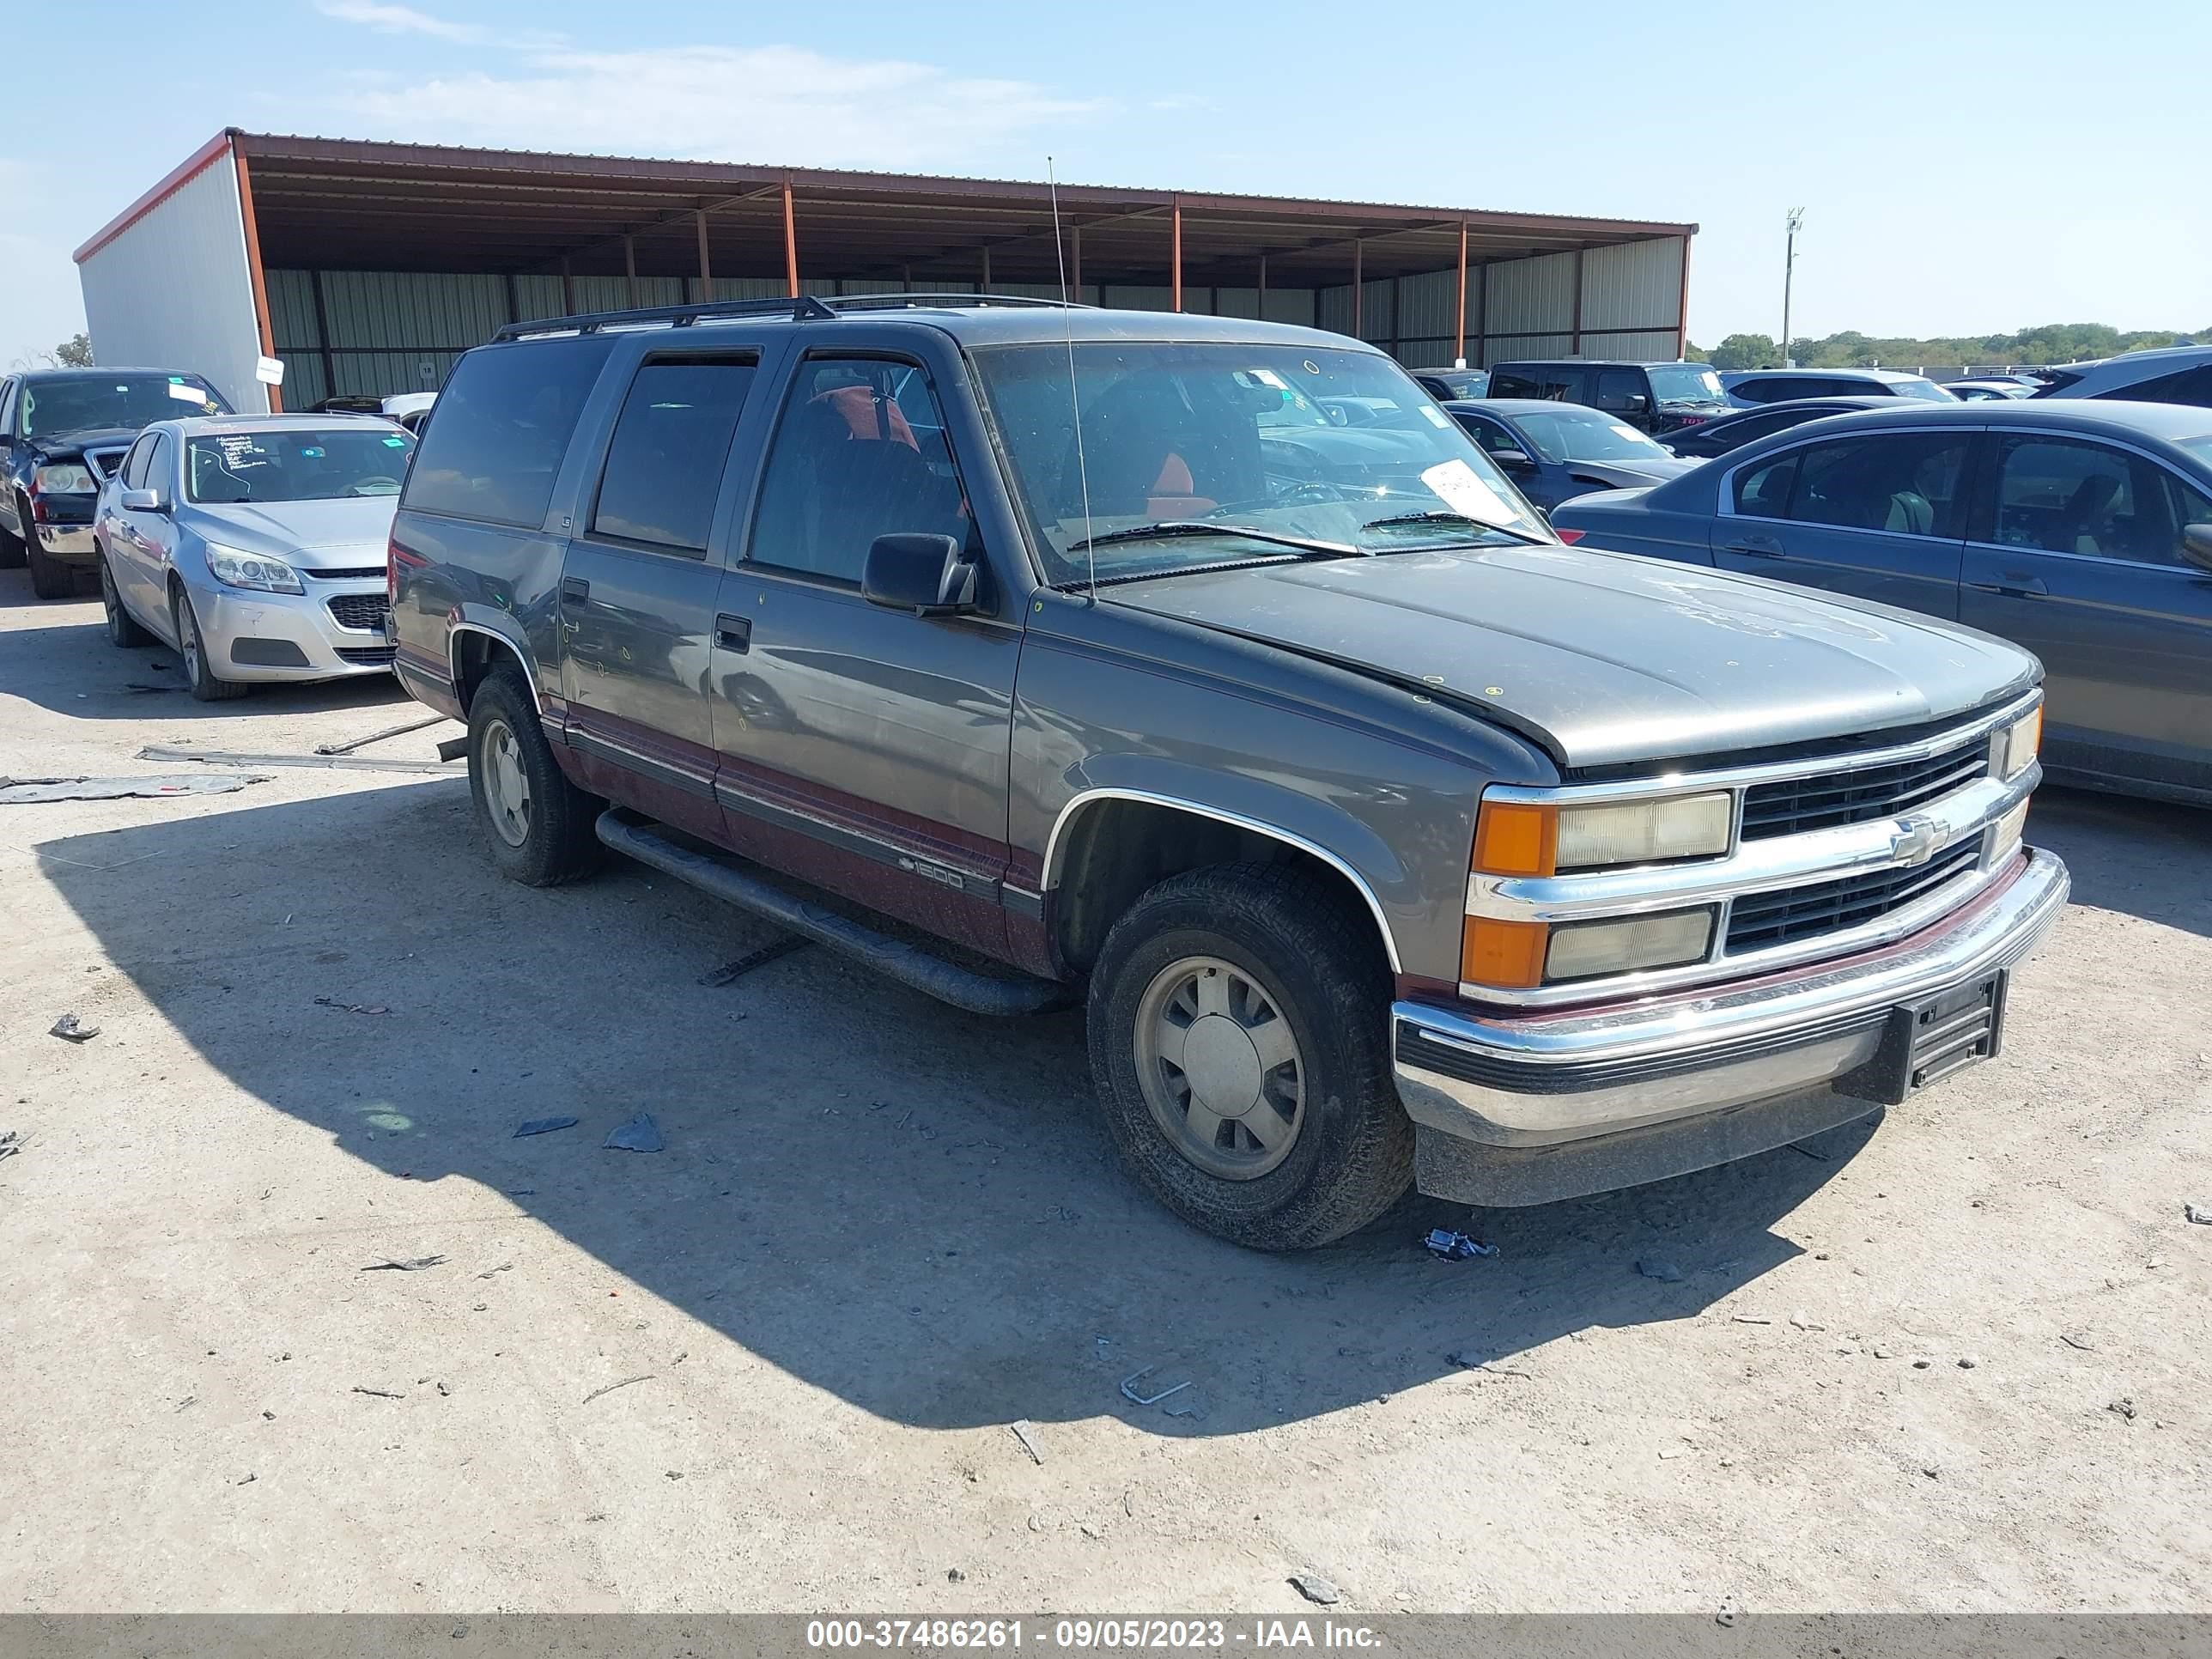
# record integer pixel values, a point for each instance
(255, 546)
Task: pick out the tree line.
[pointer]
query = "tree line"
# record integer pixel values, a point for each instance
(2051, 343)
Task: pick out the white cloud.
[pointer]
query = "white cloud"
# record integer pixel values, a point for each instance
(397, 19)
(781, 103)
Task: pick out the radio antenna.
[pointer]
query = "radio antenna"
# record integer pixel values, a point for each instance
(1074, 397)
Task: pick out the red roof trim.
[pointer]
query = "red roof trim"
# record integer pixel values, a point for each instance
(191, 168)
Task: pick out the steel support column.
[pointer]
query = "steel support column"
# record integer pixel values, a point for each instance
(1358, 293)
(790, 243)
(1177, 237)
(629, 267)
(1459, 355)
(253, 270)
(706, 265)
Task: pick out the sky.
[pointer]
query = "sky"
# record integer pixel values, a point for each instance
(1964, 167)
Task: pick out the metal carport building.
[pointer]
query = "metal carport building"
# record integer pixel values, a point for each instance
(366, 268)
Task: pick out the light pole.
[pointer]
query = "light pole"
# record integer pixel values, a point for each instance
(1789, 265)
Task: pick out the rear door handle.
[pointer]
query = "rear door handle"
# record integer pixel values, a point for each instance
(733, 633)
(1757, 547)
(576, 588)
(2014, 585)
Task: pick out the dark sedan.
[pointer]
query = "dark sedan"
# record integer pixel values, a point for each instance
(1719, 437)
(2081, 530)
(1555, 452)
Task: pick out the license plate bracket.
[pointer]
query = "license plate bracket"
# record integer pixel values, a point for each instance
(1925, 1041)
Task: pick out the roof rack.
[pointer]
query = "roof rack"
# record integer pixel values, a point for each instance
(807, 307)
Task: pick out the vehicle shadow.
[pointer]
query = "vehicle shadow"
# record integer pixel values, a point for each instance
(915, 1209)
(72, 668)
(2138, 857)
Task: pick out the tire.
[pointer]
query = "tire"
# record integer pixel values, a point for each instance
(50, 578)
(191, 646)
(1324, 1147)
(12, 549)
(545, 836)
(123, 629)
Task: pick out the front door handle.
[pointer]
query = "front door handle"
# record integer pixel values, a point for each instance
(1757, 547)
(2014, 585)
(576, 588)
(733, 633)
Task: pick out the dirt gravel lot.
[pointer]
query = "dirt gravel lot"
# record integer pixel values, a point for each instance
(882, 1232)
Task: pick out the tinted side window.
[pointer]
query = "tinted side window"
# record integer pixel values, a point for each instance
(2070, 497)
(1615, 387)
(1560, 382)
(1762, 491)
(504, 423)
(665, 465)
(7, 409)
(1906, 482)
(1494, 439)
(2190, 385)
(1757, 392)
(134, 464)
(860, 452)
(159, 463)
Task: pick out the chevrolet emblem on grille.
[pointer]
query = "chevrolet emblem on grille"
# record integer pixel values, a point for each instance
(1913, 841)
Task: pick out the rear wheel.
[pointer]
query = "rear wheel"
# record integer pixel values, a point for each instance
(193, 650)
(539, 825)
(122, 627)
(1238, 1031)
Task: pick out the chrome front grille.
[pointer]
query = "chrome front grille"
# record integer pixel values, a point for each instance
(1758, 921)
(362, 610)
(1789, 806)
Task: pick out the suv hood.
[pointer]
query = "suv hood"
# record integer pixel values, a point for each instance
(1604, 658)
(71, 446)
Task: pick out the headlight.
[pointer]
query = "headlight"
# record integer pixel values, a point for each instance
(64, 478)
(1522, 838)
(235, 569)
(1588, 948)
(2015, 745)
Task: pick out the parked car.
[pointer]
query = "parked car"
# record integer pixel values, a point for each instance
(1384, 838)
(1733, 431)
(1981, 391)
(1749, 387)
(2172, 374)
(1446, 384)
(1556, 451)
(62, 431)
(1655, 397)
(255, 546)
(406, 409)
(2081, 531)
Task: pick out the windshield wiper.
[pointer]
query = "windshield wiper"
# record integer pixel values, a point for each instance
(1458, 517)
(1169, 527)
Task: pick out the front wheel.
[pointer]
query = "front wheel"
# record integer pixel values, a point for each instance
(1238, 1031)
(539, 824)
(191, 646)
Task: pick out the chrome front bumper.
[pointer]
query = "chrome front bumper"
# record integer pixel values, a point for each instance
(1497, 1089)
(72, 542)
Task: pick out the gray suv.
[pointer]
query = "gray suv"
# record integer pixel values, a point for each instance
(1039, 654)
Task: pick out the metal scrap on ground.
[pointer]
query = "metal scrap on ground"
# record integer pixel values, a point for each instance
(10, 1144)
(351, 1007)
(646, 1377)
(160, 785)
(412, 1265)
(75, 1030)
(160, 751)
(639, 1134)
(374, 737)
(1456, 1247)
(1024, 1433)
(540, 1126)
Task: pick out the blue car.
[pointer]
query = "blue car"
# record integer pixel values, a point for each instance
(2081, 530)
(1555, 452)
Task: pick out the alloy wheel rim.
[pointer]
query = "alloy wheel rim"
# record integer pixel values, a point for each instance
(506, 783)
(109, 600)
(188, 637)
(1220, 1067)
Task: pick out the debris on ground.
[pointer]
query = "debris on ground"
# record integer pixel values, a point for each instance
(1024, 1431)
(452, 749)
(21, 792)
(1129, 1388)
(639, 1134)
(380, 1394)
(642, 1376)
(1456, 1247)
(10, 1144)
(2123, 1407)
(73, 1030)
(1473, 1359)
(1967, 1361)
(248, 1481)
(2199, 1214)
(1750, 1319)
(730, 972)
(160, 751)
(1316, 1588)
(374, 737)
(1728, 1613)
(2076, 1339)
(1803, 1322)
(543, 1126)
(954, 1575)
(412, 1265)
(504, 1267)
(1658, 1267)
(351, 1007)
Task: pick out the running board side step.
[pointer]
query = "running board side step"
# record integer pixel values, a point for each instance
(979, 993)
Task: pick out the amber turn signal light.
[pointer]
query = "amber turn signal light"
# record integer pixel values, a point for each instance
(1507, 954)
(1517, 838)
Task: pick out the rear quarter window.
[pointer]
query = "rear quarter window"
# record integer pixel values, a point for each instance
(504, 423)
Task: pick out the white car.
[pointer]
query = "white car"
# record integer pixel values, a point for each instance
(255, 546)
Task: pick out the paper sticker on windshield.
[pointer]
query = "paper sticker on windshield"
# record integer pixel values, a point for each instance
(1627, 432)
(1436, 416)
(186, 394)
(395, 443)
(1268, 377)
(1463, 490)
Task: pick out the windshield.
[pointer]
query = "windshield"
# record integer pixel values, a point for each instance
(1573, 434)
(296, 466)
(84, 402)
(1919, 388)
(1461, 382)
(1237, 435)
(1685, 383)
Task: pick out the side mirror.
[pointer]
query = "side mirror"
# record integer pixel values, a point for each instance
(1636, 404)
(1513, 460)
(142, 500)
(928, 575)
(2197, 544)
